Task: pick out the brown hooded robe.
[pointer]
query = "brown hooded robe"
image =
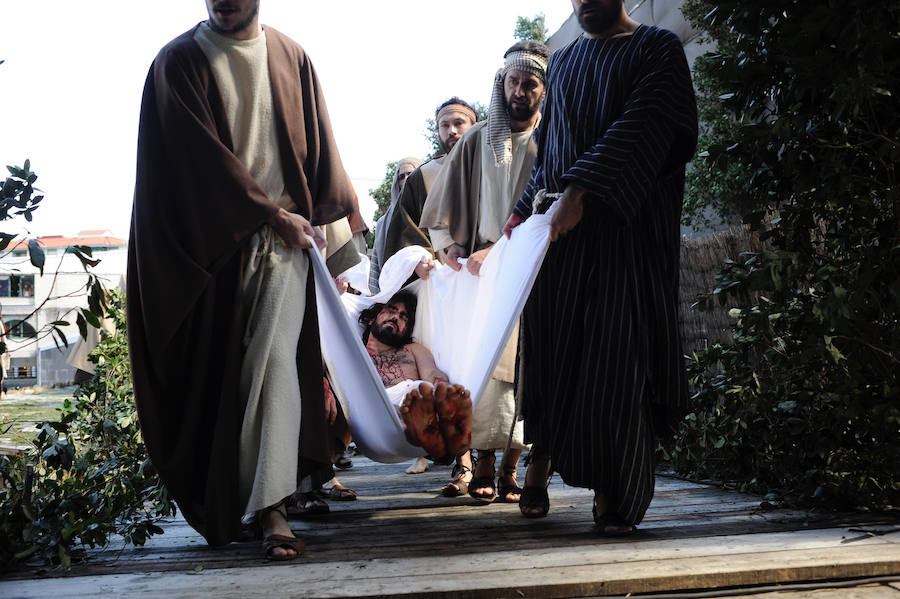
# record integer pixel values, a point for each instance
(195, 206)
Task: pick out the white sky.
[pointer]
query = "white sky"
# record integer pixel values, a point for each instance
(74, 71)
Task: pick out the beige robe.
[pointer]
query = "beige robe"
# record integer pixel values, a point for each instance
(468, 204)
(275, 278)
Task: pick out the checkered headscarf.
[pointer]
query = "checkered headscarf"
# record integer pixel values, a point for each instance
(499, 135)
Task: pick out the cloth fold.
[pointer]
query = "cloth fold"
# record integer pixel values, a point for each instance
(465, 320)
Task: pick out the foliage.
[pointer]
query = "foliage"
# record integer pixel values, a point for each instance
(19, 197)
(382, 193)
(804, 402)
(531, 29)
(88, 476)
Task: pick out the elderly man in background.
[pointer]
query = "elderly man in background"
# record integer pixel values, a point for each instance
(464, 214)
(236, 162)
(405, 168)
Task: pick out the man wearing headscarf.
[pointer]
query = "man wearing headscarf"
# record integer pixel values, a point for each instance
(236, 163)
(464, 214)
(404, 169)
(452, 119)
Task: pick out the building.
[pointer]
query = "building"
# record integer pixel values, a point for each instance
(30, 302)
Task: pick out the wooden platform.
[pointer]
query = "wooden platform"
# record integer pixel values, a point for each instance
(401, 539)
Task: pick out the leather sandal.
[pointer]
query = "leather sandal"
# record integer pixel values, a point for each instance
(534, 502)
(484, 482)
(337, 492)
(611, 525)
(457, 486)
(308, 505)
(505, 491)
(280, 541)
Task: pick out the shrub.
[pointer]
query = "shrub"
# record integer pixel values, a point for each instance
(804, 401)
(88, 476)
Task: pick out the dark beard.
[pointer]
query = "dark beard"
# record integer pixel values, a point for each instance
(387, 336)
(238, 27)
(519, 114)
(602, 20)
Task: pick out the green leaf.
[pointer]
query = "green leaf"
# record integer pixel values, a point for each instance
(91, 318)
(36, 254)
(82, 325)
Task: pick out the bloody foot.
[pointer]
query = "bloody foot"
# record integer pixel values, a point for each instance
(418, 414)
(454, 409)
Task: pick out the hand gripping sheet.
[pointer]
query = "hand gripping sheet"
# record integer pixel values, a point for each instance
(465, 320)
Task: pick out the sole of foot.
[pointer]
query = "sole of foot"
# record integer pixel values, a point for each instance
(417, 411)
(454, 409)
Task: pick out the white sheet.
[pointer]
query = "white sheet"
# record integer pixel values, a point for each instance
(464, 319)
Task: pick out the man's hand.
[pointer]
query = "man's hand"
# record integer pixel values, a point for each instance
(342, 284)
(292, 228)
(473, 264)
(514, 221)
(424, 268)
(454, 252)
(568, 213)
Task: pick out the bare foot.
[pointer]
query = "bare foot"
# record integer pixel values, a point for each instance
(454, 408)
(418, 467)
(418, 414)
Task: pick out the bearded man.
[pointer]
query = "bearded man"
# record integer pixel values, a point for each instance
(452, 119)
(236, 162)
(601, 370)
(437, 415)
(465, 212)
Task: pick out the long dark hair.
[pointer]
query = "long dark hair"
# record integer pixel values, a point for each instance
(405, 297)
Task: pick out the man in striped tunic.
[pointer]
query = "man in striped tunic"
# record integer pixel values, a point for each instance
(601, 368)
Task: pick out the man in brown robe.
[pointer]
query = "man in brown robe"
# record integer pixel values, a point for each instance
(208, 182)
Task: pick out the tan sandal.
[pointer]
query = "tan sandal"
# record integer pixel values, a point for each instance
(457, 486)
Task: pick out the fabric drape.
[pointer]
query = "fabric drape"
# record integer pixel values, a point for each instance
(195, 207)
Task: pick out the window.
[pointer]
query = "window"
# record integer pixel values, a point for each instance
(17, 286)
(20, 328)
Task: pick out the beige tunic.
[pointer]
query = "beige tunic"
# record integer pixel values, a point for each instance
(274, 280)
(468, 204)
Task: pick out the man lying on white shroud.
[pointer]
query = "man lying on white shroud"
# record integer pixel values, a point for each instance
(436, 414)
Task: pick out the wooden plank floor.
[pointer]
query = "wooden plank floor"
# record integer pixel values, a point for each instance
(402, 539)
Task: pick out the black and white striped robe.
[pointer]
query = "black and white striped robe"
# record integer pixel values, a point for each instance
(601, 364)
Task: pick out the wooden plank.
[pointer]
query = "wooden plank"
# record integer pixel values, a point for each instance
(869, 591)
(571, 572)
(401, 537)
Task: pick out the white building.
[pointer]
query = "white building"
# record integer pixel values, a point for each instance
(29, 302)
